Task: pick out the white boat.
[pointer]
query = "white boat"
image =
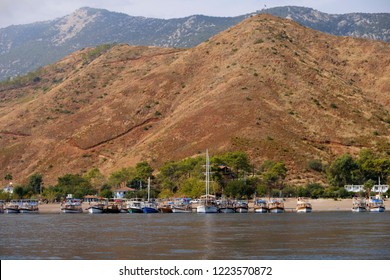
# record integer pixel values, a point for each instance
(71, 205)
(12, 207)
(182, 208)
(207, 206)
(97, 207)
(275, 206)
(303, 206)
(260, 206)
(359, 204)
(135, 205)
(375, 204)
(28, 206)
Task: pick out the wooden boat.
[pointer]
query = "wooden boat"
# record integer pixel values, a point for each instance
(28, 206)
(112, 208)
(165, 208)
(97, 207)
(241, 207)
(71, 206)
(207, 205)
(260, 206)
(359, 204)
(12, 207)
(275, 206)
(303, 206)
(375, 204)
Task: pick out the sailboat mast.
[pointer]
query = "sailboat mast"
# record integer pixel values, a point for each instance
(207, 175)
(148, 189)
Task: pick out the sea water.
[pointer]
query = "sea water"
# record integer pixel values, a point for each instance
(287, 236)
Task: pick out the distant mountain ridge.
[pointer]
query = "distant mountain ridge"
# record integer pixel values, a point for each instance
(24, 48)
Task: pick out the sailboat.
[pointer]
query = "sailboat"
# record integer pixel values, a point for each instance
(149, 206)
(207, 206)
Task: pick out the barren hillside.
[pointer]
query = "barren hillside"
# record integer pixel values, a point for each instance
(267, 86)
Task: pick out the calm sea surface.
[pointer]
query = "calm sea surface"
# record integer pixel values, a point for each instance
(323, 235)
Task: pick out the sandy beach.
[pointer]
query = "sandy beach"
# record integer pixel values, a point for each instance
(289, 203)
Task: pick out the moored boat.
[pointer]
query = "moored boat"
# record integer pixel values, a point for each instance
(149, 207)
(28, 206)
(207, 205)
(71, 205)
(359, 204)
(375, 204)
(303, 206)
(135, 205)
(226, 206)
(275, 206)
(241, 207)
(184, 208)
(12, 207)
(260, 206)
(165, 208)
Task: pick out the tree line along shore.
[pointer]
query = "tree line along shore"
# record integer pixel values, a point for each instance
(232, 176)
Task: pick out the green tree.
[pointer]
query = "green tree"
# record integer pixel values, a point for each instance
(74, 184)
(96, 178)
(35, 182)
(273, 174)
(8, 177)
(51, 194)
(237, 161)
(123, 175)
(341, 171)
(143, 171)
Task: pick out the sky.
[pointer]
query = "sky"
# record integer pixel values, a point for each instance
(29, 11)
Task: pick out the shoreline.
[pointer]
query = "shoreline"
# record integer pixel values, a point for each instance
(319, 205)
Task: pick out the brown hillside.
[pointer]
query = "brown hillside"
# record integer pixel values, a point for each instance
(267, 86)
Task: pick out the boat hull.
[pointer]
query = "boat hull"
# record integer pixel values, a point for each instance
(11, 211)
(359, 209)
(134, 210)
(241, 210)
(28, 211)
(205, 209)
(261, 210)
(149, 210)
(226, 210)
(304, 210)
(276, 210)
(95, 210)
(180, 210)
(379, 209)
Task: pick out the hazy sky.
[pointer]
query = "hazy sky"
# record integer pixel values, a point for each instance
(28, 11)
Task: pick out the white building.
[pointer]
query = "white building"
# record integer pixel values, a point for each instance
(360, 188)
(354, 188)
(9, 189)
(380, 188)
(120, 193)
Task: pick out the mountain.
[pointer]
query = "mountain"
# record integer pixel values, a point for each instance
(375, 26)
(267, 86)
(24, 48)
